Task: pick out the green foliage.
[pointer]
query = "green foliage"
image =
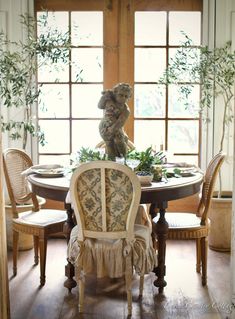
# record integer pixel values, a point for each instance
(85, 154)
(147, 158)
(213, 69)
(19, 62)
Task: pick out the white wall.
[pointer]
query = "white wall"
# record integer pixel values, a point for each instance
(233, 205)
(217, 30)
(10, 11)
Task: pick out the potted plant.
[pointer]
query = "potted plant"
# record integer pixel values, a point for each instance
(214, 70)
(148, 164)
(19, 62)
(86, 154)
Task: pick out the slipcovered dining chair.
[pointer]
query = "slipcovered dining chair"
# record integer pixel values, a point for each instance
(40, 223)
(106, 241)
(196, 226)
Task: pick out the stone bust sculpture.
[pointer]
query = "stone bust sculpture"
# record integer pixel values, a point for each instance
(116, 112)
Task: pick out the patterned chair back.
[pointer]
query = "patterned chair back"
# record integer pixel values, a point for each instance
(106, 197)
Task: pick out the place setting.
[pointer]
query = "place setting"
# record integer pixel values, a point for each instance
(46, 170)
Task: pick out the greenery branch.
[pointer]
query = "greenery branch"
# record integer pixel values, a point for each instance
(147, 158)
(213, 70)
(19, 63)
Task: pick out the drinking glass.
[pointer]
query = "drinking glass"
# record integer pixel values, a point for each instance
(120, 160)
(132, 163)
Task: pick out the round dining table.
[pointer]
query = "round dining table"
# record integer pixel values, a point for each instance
(157, 194)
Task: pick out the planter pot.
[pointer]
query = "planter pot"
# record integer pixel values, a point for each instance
(25, 241)
(220, 217)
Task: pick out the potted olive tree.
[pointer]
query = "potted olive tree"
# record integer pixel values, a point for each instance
(19, 62)
(214, 70)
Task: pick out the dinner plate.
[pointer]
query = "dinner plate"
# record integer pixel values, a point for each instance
(187, 174)
(183, 171)
(49, 172)
(187, 171)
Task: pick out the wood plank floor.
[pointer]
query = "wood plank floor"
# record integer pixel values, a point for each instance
(184, 297)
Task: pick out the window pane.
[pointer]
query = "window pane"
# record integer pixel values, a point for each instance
(176, 105)
(57, 136)
(87, 65)
(84, 33)
(150, 28)
(85, 134)
(54, 101)
(56, 22)
(53, 71)
(149, 133)
(190, 57)
(183, 136)
(149, 100)
(189, 23)
(63, 160)
(85, 98)
(187, 159)
(149, 64)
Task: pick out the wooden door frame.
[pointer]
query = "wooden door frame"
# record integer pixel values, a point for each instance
(4, 285)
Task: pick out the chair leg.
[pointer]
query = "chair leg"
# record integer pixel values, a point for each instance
(198, 254)
(43, 252)
(128, 279)
(81, 286)
(141, 285)
(15, 251)
(35, 245)
(204, 250)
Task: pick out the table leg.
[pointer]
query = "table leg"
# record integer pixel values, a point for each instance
(69, 224)
(160, 228)
(69, 268)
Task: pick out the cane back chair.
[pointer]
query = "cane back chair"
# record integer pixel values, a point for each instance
(38, 222)
(196, 226)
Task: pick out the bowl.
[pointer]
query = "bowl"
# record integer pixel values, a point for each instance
(145, 178)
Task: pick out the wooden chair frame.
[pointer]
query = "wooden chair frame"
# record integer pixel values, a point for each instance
(198, 225)
(44, 223)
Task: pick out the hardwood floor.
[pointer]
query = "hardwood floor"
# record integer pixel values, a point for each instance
(184, 297)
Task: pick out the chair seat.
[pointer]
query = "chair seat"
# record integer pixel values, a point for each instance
(185, 226)
(42, 218)
(183, 220)
(110, 253)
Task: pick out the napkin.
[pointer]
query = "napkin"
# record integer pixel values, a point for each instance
(31, 169)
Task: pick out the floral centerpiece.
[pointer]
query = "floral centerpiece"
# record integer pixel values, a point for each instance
(147, 163)
(150, 163)
(86, 154)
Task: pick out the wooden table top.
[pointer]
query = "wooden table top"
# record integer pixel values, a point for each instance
(56, 188)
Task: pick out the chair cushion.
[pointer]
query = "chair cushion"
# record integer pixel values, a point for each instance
(105, 257)
(41, 218)
(183, 220)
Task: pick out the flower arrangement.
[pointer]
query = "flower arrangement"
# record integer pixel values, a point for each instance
(147, 159)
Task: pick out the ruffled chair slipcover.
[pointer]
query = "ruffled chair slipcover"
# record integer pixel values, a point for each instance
(106, 241)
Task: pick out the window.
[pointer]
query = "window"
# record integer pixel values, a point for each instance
(159, 113)
(119, 41)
